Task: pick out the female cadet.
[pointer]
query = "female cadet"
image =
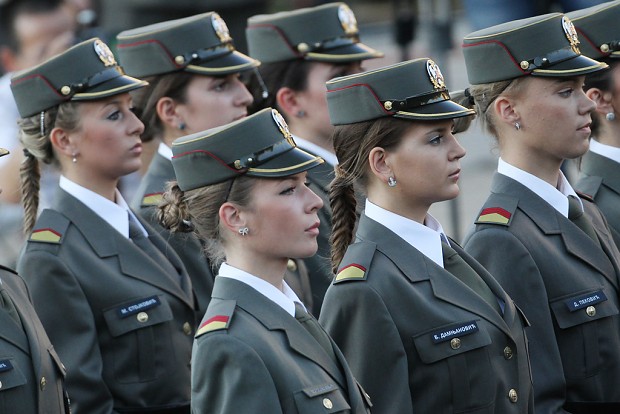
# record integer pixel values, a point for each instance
(599, 168)
(551, 250)
(27, 358)
(118, 312)
(299, 51)
(243, 187)
(193, 72)
(424, 327)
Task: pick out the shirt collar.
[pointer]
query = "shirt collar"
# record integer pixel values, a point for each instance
(425, 237)
(555, 196)
(165, 151)
(311, 147)
(284, 298)
(115, 214)
(604, 150)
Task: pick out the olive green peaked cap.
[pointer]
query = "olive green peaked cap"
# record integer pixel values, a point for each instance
(599, 30)
(85, 72)
(199, 44)
(259, 146)
(545, 45)
(414, 89)
(325, 33)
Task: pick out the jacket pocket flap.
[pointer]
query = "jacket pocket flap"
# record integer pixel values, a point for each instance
(323, 398)
(10, 375)
(449, 340)
(137, 314)
(576, 309)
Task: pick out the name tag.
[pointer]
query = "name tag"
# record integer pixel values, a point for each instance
(583, 301)
(459, 329)
(140, 306)
(5, 365)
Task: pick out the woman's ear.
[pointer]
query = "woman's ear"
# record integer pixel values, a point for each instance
(62, 142)
(287, 101)
(602, 100)
(231, 217)
(506, 110)
(167, 112)
(379, 162)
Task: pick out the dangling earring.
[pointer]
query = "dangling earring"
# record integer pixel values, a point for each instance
(244, 231)
(391, 182)
(182, 126)
(518, 126)
(610, 116)
(301, 113)
(74, 158)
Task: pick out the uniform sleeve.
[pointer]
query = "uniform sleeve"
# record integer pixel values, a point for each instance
(68, 320)
(359, 322)
(228, 376)
(508, 260)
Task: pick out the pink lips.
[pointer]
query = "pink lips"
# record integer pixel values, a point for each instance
(455, 175)
(314, 228)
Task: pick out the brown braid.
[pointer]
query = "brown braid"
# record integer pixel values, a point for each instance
(30, 176)
(353, 144)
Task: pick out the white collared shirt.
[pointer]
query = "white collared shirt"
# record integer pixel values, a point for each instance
(311, 147)
(284, 298)
(604, 150)
(115, 214)
(556, 197)
(425, 237)
(165, 151)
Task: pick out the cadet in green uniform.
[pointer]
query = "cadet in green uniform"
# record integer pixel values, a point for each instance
(31, 374)
(257, 350)
(193, 72)
(549, 248)
(424, 327)
(120, 314)
(599, 174)
(299, 51)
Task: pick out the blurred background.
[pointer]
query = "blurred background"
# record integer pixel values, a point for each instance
(33, 30)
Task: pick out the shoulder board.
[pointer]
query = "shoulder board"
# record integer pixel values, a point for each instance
(356, 261)
(498, 209)
(151, 199)
(49, 228)
(218, 316)
(587, 186)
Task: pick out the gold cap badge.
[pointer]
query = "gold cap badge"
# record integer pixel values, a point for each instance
(347, 20)
(104, 53)
(283, 126)
(571, 34)
(434, 74)
(221, 30)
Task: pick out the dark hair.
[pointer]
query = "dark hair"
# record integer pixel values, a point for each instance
(198, 210)
(291, 74)
(172, 85)
(603, 80)
(353, 144)
(10, 11)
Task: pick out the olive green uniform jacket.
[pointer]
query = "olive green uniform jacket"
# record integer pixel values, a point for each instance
(251, 356)
(121, 324)
(566, 285)
(418, 339)
(599, 178)
(31, 374)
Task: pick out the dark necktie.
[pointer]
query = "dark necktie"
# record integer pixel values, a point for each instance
(575, 214)
(136, 235)
(8, 306)
(313, 327)
(455, 264)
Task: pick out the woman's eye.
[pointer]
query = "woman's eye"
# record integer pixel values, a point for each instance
(566, 92)
(289, 190)
(114, 116)
(435, 140)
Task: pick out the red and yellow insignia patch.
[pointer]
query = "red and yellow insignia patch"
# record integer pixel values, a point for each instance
(46, 236)
(213, 324)
(152, 199)
(352, 271)
(495, 215)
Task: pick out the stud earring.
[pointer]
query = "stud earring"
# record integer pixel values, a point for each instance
(301, 113)
(244, 231)
(182, 126)
(610, 116)
(74, 160)
(517, 126)
(391, 182)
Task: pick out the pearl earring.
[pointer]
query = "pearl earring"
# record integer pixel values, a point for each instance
(74, 160)
(610, 116)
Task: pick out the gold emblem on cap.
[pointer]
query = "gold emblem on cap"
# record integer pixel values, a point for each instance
(303, 47)
(65, 90)
(104, 53)
(221, 30)
(387, 105)
(283, 126)
(571, 34)
(435, 75)
(524, 64)
(347, 19)
(604, 48)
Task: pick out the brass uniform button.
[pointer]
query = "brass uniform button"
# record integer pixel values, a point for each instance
(303, 47)
(508, 352)
(327, 403)
(524, 64)
(187, 328)
(43, 383)
(291, 265)
(142, 317)
(179, 60)
(387, 105)
(455, 343)
(591, 311)
(512, 395)
(65, 90)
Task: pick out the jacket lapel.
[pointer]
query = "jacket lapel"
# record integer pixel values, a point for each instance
(417, 268)
(597, 165)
